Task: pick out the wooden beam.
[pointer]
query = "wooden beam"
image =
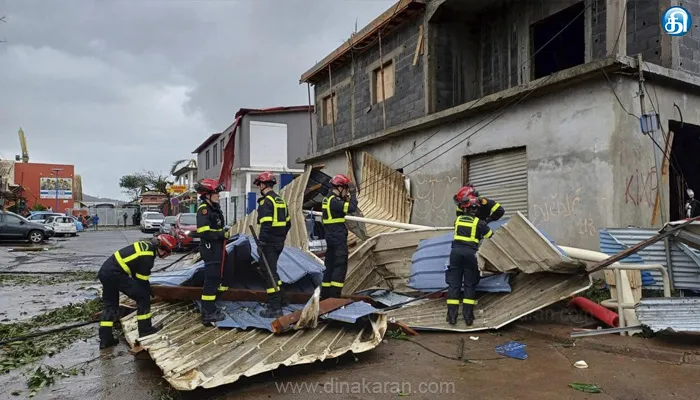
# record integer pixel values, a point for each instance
(419, 45)
(664, 174)
(178, 293)
(285, 322)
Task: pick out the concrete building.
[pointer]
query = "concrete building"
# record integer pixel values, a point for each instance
(50, 185)
(537, 103)
(185, 174)
(264, 140)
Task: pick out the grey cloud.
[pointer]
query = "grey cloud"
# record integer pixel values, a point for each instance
(120, 86)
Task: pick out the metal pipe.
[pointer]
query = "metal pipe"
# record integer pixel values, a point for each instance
(669, 262)
(393, 224)
(618, 291)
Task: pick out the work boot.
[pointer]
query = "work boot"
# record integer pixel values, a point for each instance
(284, 302)
(452, 311)
(148, 331)
(273, 309)
(468, 313)
(325, 293)
(106, 338)
(212, 317)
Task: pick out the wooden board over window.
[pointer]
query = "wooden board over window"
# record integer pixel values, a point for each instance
(330, 109)
(388, 82)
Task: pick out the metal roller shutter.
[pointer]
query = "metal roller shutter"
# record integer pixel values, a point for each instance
(501, 177)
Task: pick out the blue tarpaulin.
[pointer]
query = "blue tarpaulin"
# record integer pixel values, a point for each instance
(351, 313)
(513, 350)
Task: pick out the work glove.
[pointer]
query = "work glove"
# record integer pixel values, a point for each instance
(227, 234)
(352, 188)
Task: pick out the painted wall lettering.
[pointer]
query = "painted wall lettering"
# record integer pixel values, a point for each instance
(434, 200)
(561, 215)
(641, 188)
(556, 206)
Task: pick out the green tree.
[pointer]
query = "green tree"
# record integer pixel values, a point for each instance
(133, 185)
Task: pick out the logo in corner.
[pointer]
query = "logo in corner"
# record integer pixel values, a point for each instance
(676, 21)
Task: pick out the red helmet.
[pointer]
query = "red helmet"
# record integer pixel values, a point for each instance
(165, 242)
(208, 186)
(471, 204)
(463, 194)
(265, 177)
(340, 180)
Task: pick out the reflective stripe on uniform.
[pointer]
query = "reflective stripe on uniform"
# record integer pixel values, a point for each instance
(336, 284)
(468, 301)
(488, 235)
(223, 288)
(142, 277)
(107, 323)
(494, 208)
(463, 222)
(279, 283)
(140, 249)
(271, 290)
(325, 284)
(201, 206)
(143, 316)
(278, 204)
(326, 206)
(452, 301)
(208, 297)
(207, 228)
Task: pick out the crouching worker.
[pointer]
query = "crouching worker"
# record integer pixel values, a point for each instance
(127, 271)
(463, 270)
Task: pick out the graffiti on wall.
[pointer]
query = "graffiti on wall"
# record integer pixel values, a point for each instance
(641, 188)
(561, 211)
(433, 200)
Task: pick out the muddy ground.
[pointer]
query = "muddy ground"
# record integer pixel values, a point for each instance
(395, 366)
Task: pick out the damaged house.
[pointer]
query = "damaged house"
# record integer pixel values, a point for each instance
(537, 103)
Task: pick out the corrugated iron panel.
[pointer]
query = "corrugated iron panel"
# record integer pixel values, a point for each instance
(677, 314)
(611, 246)
(686, 272)
(192, 355)
(531, 292)
(502, 177)
(351, 313)
(382, 195)
(294, 196)
(519, 246)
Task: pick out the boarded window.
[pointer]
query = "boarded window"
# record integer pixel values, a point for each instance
(330, 109)
(383, 78)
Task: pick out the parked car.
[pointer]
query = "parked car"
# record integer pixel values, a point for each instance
(16, 227)
(168, 224)
(61, 225)
(41, 216)
(151, 221)
(186, 231)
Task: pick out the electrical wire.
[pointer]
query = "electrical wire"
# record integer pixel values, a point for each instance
(466, 360)
(366, 181)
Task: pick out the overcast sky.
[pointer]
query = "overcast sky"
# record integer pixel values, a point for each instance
(116, 87)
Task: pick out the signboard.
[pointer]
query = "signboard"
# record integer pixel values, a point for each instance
(177, 189)
(47, 188)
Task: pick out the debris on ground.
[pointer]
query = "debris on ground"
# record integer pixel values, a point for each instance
(581, 364)
(586, 387)
(20, 279)
(512, 349)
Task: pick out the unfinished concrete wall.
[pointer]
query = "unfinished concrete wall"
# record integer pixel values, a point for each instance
(456, 78)
(568, 140)
(689, 44)
(353, 85)
(644, 30)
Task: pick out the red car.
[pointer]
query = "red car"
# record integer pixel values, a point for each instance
(185, 231)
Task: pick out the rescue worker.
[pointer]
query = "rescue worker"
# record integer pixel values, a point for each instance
(488, 210)
(127, 271)
(339, 202)
(212, 247)
(692, 206)
(463, 271)
(275, 221)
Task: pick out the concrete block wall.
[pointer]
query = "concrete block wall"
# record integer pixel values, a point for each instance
(598, 25)
(644, 30)
(689, 44)
(357, 116)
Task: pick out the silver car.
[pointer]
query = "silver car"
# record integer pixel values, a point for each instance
(168, 225)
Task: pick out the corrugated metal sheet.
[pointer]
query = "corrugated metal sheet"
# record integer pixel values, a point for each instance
(385, 297)
(689, 235)
(382, 195)
(293, 265)
(192, 355)
(611, 246)
(502, 177)
(294, 196)
(677, 314)
(246, 314)
(519, 246)
(351, 313)
(531, 292)
(686, 272)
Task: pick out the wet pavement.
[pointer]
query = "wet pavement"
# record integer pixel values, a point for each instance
(395, 366)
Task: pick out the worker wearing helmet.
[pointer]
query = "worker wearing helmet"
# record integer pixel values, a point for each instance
(339, 202)
(463, 271)
(212, 247)
(275, 221)
(488, 210)
(127, 271)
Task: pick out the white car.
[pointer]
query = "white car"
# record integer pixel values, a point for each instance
(61, 225)
(151, 221)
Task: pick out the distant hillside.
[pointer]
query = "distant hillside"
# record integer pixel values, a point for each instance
(87, 197)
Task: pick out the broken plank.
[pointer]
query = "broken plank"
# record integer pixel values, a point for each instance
(285, 322)
(176, 293)
(419, 45)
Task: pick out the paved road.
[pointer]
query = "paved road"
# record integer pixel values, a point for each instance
(394, 365)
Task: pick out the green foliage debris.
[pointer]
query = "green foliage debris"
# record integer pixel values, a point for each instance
(47, 279)
(45, 375)
(397, 334)
(16, 354)
(586, 387)
(597, 292)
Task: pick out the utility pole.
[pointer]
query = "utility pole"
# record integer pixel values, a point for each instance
(56, 171)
